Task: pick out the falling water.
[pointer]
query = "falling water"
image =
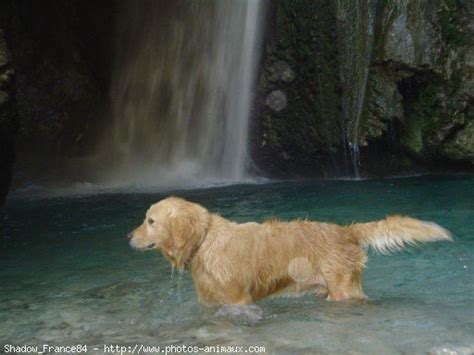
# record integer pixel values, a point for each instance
(356, 33)
(182, 90)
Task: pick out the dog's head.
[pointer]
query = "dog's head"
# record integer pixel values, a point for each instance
(174, 226)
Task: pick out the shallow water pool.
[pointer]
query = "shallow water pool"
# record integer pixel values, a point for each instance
(68, 276)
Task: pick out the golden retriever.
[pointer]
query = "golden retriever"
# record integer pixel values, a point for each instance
(234, 263)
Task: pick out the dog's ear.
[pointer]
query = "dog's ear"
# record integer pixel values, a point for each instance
(181, 230)
(188, 228)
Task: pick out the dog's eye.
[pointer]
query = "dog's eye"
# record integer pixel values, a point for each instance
(150, 221)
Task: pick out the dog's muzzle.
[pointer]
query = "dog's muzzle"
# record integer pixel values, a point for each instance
(134, 246)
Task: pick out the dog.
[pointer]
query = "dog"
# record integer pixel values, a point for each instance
(241, 263)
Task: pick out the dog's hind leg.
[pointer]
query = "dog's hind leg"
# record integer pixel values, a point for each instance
(234, 295)
(321, 291)
(345, 285)
(244, 299)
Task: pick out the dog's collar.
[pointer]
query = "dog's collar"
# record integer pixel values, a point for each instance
(193, 253)
(197, 246)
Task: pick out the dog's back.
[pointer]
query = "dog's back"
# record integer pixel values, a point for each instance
(251, 261)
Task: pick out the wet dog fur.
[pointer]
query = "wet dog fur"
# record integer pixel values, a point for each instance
(241, 263)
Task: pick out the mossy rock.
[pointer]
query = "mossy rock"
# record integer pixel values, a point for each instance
(299, 64)
(461, 145)
(7, 120)
(431, 118)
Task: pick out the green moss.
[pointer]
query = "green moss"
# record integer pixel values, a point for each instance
(450, 21)
(421, 115)
(430, 117)
(413, 138)
(461, 145)
(305, 38)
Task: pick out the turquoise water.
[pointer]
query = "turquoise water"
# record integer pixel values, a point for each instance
(68, 275)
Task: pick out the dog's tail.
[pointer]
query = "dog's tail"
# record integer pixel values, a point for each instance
(394, 233)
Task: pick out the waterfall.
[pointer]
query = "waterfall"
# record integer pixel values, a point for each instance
(355, 26)
(181, 92)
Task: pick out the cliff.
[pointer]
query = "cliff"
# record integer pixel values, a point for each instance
(376, 87)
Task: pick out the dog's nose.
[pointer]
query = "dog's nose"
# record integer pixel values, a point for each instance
(130, 235)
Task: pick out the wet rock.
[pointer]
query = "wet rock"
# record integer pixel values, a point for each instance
(301, 41)
(461, 146)
(7, 119)
(432, 116)
(410, 106)
(467, 69)
(409, 33)
(385, 104)
(277, 100)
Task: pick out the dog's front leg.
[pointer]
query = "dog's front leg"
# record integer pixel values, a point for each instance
(242, 299)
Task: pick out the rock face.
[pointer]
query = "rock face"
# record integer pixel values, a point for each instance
(299, 100)
(7, 122)
(461, 145)
(8, 117)
(387, 85)
(435, 76)
(55, 81)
